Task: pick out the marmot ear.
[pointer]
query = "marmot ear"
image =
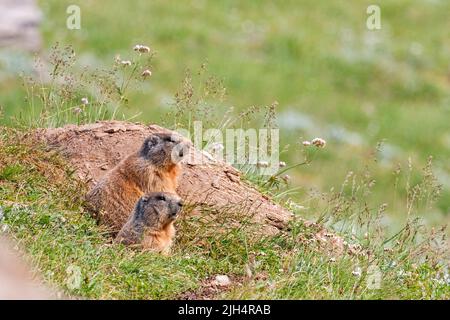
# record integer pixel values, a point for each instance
(152, 141)
(149, 144)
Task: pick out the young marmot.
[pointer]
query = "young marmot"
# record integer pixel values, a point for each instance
(150, 226)
(153, 168)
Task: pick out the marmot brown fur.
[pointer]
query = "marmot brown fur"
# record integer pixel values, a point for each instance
(153, 168)
(150, 225)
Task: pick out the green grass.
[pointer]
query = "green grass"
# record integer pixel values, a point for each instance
(44, 215)
(331, 78)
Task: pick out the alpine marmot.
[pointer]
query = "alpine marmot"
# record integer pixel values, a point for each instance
(155, 167)
(150, 225)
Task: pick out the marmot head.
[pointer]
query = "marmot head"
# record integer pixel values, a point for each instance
(155, 210)
(164, 149)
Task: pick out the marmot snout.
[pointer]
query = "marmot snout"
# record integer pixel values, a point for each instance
(151, 223)
(155, 167)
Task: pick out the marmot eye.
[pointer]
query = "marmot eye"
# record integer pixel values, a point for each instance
(161, 198)
(171, 139)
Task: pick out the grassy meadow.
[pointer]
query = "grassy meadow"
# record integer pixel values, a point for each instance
(380, 98)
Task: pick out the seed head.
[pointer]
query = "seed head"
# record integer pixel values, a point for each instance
(141, 49)
(146, 73)
(262, 164)
(318, 142)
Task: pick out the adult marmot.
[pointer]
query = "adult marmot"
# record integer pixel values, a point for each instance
(153, 168)
(150, 225)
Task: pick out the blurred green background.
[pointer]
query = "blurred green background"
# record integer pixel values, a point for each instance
(331, 76)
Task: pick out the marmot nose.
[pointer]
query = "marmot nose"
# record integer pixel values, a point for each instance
(176, 207)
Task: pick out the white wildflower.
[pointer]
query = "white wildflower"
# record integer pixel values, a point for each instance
(306, 143)
(286, 178)
(446, 278)
(262, 164)
(357, 272)
(126, 62)
(248, 271)
(216, 146)
(146, 73)
(77, 110)
(84, 101)
(295, 206)
(402, 273)
(142, 49)
(319, 142)
(282, 164)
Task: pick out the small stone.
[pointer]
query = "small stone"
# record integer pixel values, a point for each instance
(100, 135)
(222, 280)
(232, 176)
(89, 127)
(116, 129)
(215, 183)
(134, 128)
